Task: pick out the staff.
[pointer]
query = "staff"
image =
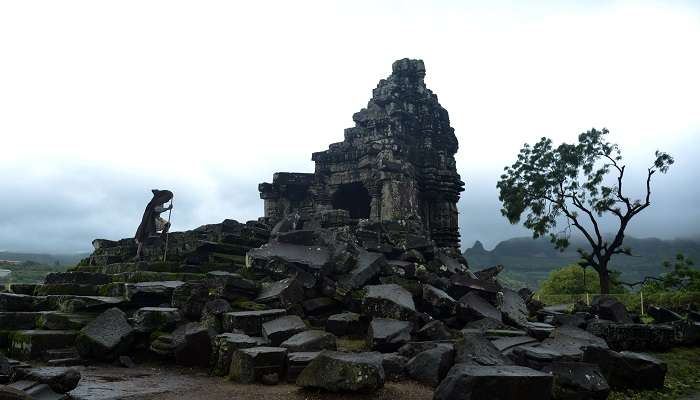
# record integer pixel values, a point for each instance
(167, 235)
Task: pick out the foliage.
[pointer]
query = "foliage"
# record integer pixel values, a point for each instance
(568, 183)
(530, 261)
(570, 280)
(682, 379)
(682, 277)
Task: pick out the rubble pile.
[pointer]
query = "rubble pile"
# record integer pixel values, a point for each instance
(334, 295)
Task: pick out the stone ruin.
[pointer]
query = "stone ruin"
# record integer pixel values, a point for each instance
(396, 165)
(352, 278)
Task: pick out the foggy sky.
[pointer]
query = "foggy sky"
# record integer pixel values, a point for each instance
(101, 102)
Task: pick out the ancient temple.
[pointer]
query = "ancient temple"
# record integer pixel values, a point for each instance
(396, 164)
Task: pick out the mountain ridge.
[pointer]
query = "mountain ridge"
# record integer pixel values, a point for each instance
(530, 260)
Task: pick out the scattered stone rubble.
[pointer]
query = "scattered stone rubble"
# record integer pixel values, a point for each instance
(331, 296)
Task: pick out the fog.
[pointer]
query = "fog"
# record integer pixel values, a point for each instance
(101, 102)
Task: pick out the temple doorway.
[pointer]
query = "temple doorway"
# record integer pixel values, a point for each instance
(353, 197)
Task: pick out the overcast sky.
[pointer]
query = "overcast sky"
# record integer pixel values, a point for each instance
(102, 101)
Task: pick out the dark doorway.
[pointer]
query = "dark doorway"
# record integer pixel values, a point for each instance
(353, 197)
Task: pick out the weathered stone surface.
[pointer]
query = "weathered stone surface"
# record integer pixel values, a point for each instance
(14, 321)
(611, 309)
(296, 362)
(463, 284)
(474, 382)
(250, 322)
(213, 312)
(286, 293)
(33, 344)
(320, 305)
(513, 308)
(434, 330)
(346, 324)
(280, 329)
(193, 344)
(388, 301)
(17, 302)
(477, 350)
(507, 344)
(539, 330)
(387, 335)
(310, 341)
(485, 324)
(149, 319)
(577, 381)
(440, 304)
(151, 294)
(190, 298)
(223, 347)
(10, 393)
(394, 366)
(663, 315)
(62, 321)
(73, 304)
(566, 343)
(412, 349)
(368, 266)
(230, 286)
(78, 277)
(472, 306)
(635, 337)
(430, 367)
(107, 337)
(251, 364)
(59, 379)
(313, 257)
(339, 372)
(627, 370)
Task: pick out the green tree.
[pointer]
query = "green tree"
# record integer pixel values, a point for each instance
(682, 277)
(568, 184)
(571, 280)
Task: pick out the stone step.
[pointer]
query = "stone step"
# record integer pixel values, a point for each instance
(23, 288)
(225, 263)
(47, 320)
(10, 302)
(66, 289)
(66, 362)
(62, 353)
(149, 276)
(78, 278)
(34, 344)
(13, 321)
(72, 304)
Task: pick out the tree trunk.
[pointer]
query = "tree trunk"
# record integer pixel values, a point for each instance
(604, 276)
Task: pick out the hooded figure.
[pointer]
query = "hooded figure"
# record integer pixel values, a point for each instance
(151, 222)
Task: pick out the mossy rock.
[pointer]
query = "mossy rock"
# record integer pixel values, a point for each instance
(247, 305)
(115, 289)
(351, 345)
(151, 276)
(66, 289)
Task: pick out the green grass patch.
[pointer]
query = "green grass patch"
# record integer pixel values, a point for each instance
(682, 378)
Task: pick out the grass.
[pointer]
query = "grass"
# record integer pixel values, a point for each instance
(682, 378)
(28, 272)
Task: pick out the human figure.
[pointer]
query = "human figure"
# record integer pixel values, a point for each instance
(151, 222)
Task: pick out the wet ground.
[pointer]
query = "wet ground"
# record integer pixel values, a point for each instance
(159, 382)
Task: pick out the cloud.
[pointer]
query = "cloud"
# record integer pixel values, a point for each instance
(100, 102)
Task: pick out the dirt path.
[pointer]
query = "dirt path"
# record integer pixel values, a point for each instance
(176, 383)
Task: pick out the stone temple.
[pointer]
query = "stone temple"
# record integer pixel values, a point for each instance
(396, 164)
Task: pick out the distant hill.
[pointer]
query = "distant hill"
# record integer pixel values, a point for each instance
(46, 259)
(530, 261)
